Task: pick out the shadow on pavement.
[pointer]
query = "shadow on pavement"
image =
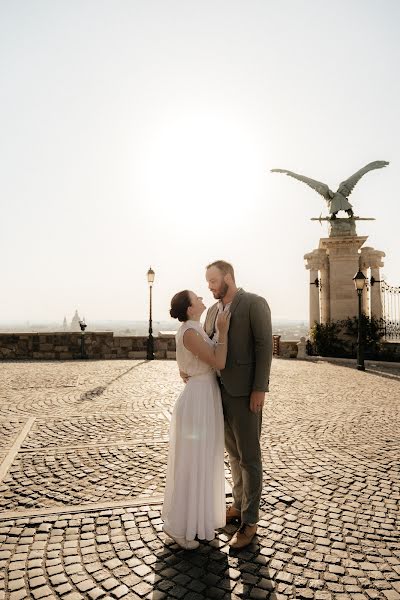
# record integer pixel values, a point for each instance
(214, 570)
(94, 393)
(193, 574)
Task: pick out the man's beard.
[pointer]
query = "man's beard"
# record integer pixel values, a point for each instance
(221, 292)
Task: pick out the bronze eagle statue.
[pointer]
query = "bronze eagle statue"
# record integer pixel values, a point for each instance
(336, 200)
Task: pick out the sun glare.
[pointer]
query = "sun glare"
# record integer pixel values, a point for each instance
(196, 163)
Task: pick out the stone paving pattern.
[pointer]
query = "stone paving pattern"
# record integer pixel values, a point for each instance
(330, 526)
(105, 429)
(85, 475)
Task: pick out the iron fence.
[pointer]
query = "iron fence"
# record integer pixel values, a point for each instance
(390, 311)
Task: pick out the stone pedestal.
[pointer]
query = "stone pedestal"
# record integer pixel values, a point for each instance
(301, 348)
(343, 258)
(333, 266)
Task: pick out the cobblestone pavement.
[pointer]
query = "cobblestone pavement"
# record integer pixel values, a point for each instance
(83, 449)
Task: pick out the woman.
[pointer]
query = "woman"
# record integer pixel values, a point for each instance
(194, 502)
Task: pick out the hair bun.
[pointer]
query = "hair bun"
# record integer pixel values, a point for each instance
(179, 305)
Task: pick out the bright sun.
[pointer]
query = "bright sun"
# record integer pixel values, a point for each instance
(198, 162)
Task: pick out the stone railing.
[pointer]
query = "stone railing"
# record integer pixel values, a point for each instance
(101, 345)
(106, 345)
(67, 346)
(288, 348)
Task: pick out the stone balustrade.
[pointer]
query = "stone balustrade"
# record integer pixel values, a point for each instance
(105, 345)
(67, 346)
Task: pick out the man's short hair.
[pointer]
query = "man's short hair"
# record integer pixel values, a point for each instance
(224, 267)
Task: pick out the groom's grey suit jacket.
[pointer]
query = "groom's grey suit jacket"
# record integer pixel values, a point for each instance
(248, 362)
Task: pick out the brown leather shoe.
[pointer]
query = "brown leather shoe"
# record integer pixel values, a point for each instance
(232, 515)
(243, 537)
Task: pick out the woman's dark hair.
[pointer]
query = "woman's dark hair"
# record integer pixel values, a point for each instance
(179, 305)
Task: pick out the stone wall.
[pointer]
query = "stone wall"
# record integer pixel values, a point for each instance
(66, 346)
(98, 345)
(288, 349)
(105, 345)
(284, 348)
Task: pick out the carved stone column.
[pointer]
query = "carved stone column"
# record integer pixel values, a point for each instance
(314, 310)
(325, 291)
(373, 259)
(315, 261)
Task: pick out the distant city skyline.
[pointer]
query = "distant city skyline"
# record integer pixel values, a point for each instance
(287, 328)
(138, 134)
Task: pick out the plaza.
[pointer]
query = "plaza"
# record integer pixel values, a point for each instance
(83, 451)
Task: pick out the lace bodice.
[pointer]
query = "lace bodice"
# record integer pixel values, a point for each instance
(187, 361)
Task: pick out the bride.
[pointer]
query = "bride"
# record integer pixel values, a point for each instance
(194, 501)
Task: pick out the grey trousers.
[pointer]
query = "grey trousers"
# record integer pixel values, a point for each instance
(242, 442)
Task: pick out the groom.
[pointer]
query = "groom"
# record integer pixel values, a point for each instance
(244, 382)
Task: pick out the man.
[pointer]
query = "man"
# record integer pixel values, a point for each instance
(244, 382)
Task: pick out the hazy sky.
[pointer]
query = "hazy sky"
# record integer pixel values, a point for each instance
(137, 133)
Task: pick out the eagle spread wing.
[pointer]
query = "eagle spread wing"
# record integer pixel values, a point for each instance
(319, 187)
(346, 187)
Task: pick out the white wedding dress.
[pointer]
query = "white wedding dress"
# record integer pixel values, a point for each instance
(194, 501)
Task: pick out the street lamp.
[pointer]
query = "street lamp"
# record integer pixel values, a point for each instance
(83, 326)
(150, 340)
(359, 283)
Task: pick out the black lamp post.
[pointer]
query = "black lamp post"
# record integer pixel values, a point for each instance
(359, 282)
(83, 326)
(150, 340)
